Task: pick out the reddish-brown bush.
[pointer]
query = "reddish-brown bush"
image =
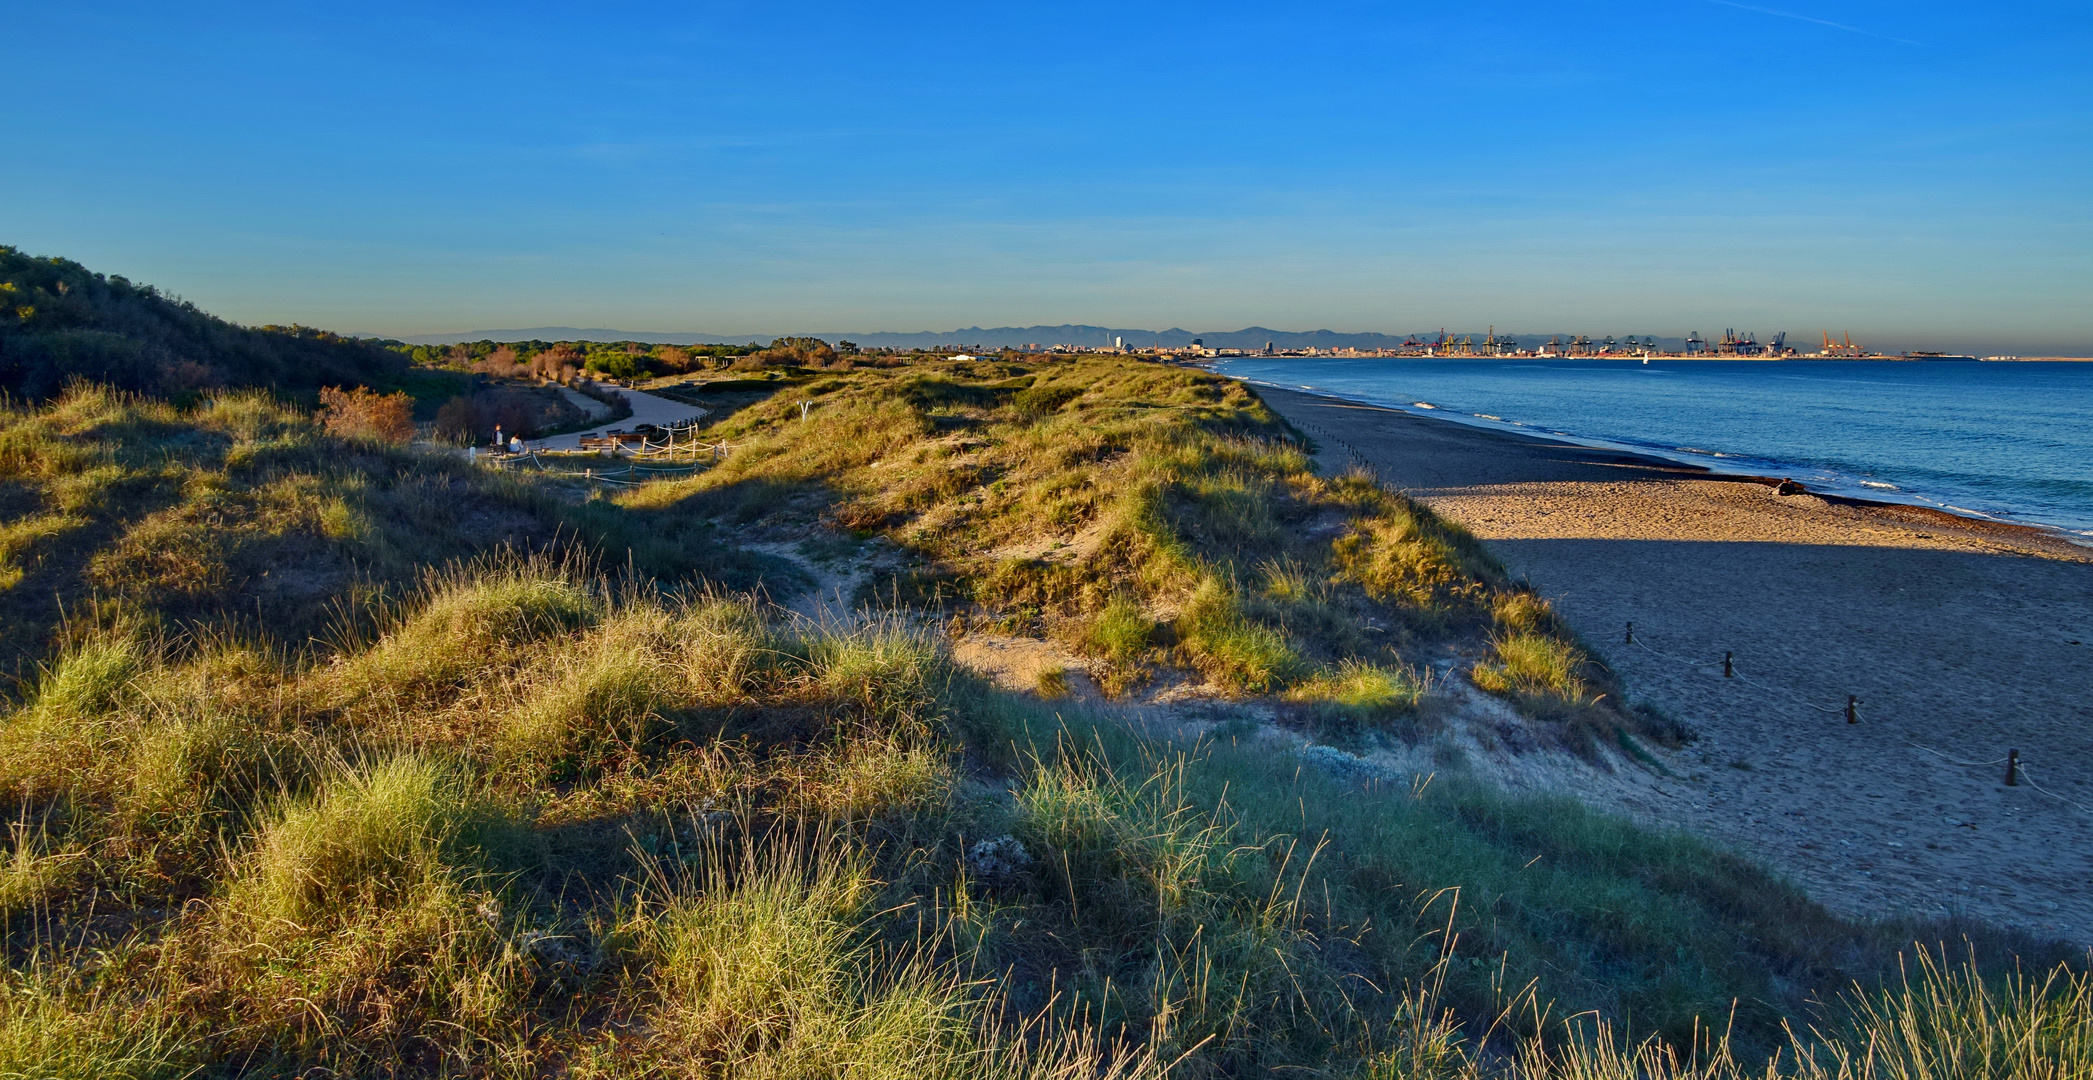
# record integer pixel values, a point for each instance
(364, 414)
(502, 363)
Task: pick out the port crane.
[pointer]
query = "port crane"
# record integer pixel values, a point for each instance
(1833, 348)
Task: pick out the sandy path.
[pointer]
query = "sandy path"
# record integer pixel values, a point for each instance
(1959, 637)
(590, 407)
(646, 409)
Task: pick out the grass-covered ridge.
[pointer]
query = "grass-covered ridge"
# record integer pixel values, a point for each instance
(1153, 518)
(239, 515)
(328, 756)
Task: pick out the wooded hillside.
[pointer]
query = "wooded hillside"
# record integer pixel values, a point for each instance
(61, 322)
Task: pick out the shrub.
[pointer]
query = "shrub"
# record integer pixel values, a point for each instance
(363, 414)
(1042, 400)
(458, 422)
(615, 365)
(501, 363)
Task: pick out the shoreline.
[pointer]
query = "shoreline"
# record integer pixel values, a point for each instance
(1656, 459)
(1960, 638)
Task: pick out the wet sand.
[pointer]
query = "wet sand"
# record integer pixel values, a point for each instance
(1962, 639)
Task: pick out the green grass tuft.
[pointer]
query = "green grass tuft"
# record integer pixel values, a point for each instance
(1357, 695)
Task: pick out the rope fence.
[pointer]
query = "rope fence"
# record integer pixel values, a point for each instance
(631, 475)
(666, 442)
(1352, 454)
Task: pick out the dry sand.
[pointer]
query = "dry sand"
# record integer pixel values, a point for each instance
(1962, 639)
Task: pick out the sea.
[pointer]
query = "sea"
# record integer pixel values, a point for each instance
(2005, 440)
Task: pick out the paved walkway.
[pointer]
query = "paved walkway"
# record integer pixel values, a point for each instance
(589, 406)
(646, 409)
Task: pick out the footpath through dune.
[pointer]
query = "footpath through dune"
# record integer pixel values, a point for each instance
(1962, 640)
(646, 409)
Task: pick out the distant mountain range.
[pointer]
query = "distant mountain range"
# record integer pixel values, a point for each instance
(1249, 338)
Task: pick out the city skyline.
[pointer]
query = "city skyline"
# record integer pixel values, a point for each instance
(1249, 338)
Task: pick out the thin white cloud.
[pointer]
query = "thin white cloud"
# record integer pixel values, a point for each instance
(1813, 19)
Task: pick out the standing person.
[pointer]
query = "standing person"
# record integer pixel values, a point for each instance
(497, 437)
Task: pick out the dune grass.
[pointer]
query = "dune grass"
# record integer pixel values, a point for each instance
(630, 834)
(1159, 520)
(586, 804)
(240, 513)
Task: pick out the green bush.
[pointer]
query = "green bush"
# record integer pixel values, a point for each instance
(1043, 400)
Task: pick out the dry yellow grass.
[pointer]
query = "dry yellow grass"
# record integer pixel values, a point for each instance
(513, 817)
(1152, 517)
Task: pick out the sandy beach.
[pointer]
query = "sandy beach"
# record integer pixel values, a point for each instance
(1963, 640)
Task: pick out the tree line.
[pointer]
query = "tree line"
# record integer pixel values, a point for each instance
(563, 361)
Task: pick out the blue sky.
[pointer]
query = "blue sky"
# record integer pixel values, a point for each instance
(1917, 173)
